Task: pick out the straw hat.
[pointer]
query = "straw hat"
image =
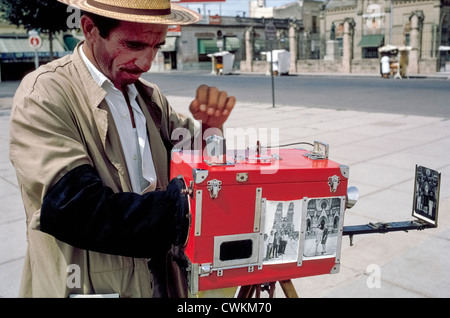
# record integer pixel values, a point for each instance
(143, 11)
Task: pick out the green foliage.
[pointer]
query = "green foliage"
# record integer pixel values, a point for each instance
(46, 16)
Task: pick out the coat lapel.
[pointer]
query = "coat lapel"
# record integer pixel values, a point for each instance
(157, 146)
(104, 121)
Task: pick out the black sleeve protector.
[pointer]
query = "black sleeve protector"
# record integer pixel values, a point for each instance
(80, 211)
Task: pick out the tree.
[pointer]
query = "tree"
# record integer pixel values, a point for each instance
(45, 16)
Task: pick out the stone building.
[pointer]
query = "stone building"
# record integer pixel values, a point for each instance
(322, 36)
(187, 47)
(285, 223)
(359, 27)
(344, 36)
(327, 209)
(297, 31)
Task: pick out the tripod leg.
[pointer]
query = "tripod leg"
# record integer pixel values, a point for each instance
(257, 291)
(246, 291)
(288, 289)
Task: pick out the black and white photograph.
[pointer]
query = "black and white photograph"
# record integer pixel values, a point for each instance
(323, 219)
(426, 194)
(281, 231)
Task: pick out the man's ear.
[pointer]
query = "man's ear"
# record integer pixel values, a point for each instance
(90, 30)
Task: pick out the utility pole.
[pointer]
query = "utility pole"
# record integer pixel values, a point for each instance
(271, 35)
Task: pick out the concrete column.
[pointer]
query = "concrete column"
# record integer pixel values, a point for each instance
(388, 22)
(416, 19)
(359, 7)
(323, 31)
(249, 39)
(347, 43)
(359, 26)
(306, 45)
(293, 46)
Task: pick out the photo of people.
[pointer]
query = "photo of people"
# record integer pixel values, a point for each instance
(426, 194)
(323, 219)
(281, 231)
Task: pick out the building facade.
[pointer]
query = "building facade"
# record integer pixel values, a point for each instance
(334, 36)
(361, 27)
(322, 36)
(188, 47)
(246, 38)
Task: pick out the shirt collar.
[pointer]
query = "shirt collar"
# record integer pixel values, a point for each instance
(102, 80)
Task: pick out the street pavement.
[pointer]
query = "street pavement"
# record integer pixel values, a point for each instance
(381, 151)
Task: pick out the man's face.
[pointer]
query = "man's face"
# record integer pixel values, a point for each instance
(128, 51)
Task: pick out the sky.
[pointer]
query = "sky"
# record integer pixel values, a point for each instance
(231, 7)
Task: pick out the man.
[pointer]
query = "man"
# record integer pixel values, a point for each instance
(321, 237)
(385, 66)
(90, 142)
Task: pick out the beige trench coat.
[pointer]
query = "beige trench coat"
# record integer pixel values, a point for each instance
(59, 121)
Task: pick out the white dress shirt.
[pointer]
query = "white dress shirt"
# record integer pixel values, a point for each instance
(135, 143)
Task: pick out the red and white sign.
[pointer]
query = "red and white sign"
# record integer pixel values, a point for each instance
(215, 19)
(174, 30)
(35, 41)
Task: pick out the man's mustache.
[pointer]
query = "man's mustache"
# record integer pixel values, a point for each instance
(135, 71)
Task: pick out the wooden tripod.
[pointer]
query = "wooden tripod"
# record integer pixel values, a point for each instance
(249, 290)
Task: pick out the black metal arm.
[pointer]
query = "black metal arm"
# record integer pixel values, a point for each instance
(385, 228)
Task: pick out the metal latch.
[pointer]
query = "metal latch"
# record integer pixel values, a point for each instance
(214, 187)
(333, 182)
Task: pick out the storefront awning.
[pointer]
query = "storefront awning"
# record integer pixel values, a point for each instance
(171, 44)
(15, 49)
(70, 41)
(371, 40)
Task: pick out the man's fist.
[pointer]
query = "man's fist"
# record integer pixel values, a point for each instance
(211, 106)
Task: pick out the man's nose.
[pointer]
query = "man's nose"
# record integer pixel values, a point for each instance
(145, 59)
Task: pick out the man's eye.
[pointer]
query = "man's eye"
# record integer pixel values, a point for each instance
(134, 46)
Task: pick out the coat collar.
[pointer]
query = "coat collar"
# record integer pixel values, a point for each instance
(94, 92)
(105, 122)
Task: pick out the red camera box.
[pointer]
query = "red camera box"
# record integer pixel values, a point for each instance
(258, 219)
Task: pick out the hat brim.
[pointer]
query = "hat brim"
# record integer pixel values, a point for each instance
(178, 15)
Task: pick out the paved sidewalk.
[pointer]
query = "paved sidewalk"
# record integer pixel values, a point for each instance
(381, 151)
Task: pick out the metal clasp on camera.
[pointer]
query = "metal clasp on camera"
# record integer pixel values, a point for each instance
(214, 187)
